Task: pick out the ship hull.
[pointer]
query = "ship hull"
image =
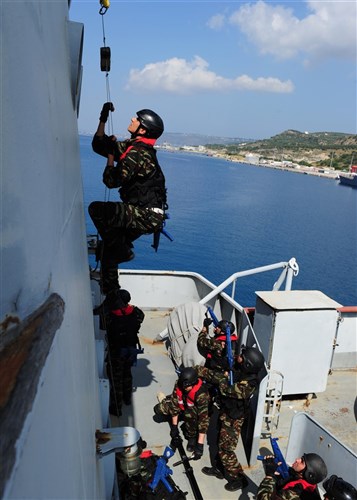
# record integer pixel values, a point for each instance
(348, 180)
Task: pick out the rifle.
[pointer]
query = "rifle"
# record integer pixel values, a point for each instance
(213, 316)
(156, 237)
(188, 469)
(162, 470)
(282, 468)
(229, 354)
(228, 345)
(180, 462)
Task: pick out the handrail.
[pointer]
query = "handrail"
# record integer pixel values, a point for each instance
(291, 266)
(290, 269)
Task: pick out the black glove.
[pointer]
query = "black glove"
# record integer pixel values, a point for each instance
(174, 432)
(198, 451)
(207, 322)
(108, 106)
(270, 466)
(175, 437)
(157, 409)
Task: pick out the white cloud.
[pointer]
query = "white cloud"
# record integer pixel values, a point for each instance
(216, 22)
(329, 31)
(181, 76)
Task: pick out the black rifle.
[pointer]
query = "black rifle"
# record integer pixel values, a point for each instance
(185, 460)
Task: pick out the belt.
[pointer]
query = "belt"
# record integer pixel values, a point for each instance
(157, 210)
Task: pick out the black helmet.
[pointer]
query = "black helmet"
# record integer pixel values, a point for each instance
(125, 296)
(253, 360)
(338, 489)
(315, 470)
(223, 324)
(151, 122)
(187, 377)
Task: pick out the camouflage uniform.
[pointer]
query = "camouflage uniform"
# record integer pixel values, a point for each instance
(142, 189)
(122, 336)
(234, 403)
(196, 417)
(211, 348)
(272, 488)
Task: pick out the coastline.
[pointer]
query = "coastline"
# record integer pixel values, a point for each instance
(278, 165)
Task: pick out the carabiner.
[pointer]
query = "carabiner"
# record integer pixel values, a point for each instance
(105, 4)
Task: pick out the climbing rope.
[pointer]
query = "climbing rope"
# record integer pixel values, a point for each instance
(105, 54)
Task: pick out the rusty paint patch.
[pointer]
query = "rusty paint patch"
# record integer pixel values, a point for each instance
(344, 410)
(146, 340)
(12, 358)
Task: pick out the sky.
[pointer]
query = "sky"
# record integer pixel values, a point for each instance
(229, 69)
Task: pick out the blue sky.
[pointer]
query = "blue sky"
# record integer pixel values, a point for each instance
(230, 69)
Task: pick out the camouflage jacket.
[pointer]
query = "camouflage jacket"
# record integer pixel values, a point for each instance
(137, 162)
(137, 174)
(269, 489)
(201, 405)
(214, 351)
(242, 389)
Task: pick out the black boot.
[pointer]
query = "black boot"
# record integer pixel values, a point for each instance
(212, 471)
(238, 483)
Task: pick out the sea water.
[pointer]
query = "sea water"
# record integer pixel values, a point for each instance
(227, 217)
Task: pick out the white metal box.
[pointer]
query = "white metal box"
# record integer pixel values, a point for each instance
(296, 330)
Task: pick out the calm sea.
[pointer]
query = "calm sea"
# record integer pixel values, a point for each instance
(228, 217)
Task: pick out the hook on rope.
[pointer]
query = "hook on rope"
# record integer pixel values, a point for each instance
(105, 4)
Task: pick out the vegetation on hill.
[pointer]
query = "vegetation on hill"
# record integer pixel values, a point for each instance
(318, 149)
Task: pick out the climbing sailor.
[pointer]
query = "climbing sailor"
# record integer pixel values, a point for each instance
(142, 190)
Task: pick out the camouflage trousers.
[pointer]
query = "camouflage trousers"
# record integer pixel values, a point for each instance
(120, 380)
(119, 224)
(228, 436)
(189, 416)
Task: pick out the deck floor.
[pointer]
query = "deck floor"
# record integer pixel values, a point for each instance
(155, 373)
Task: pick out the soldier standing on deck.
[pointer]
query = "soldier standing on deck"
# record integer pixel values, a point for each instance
(122, 323)
(214, 348)
(142, 190)
(234, 405)
(189, 400)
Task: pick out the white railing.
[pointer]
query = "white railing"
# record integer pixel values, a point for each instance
(290, 269)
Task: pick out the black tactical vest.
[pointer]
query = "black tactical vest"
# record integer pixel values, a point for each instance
(149, 191)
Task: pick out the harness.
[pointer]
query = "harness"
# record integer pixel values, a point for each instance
(220, 362)
(187, 399)
(238, 408)
(149, 190)
(123, 327)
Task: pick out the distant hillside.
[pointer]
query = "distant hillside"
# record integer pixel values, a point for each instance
(177, 139)
(325, 149)
(295, 139)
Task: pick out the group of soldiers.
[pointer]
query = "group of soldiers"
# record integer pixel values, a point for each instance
(223, 382)
(199, 388)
